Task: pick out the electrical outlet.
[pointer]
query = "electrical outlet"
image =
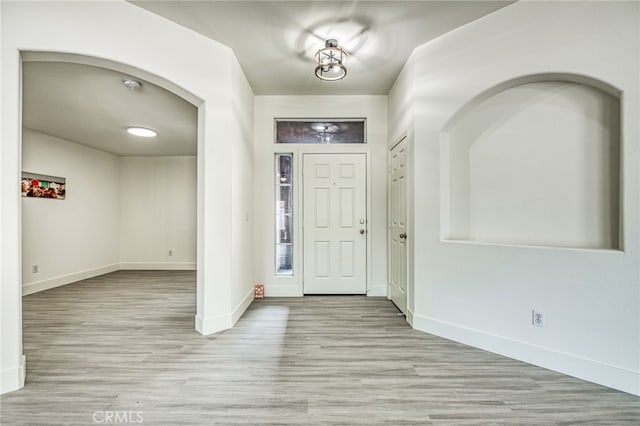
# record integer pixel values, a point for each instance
(170, 252)
(34, 269)
(537, 318)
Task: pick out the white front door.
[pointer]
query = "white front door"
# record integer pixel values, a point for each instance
(335, 223)
(398, 225)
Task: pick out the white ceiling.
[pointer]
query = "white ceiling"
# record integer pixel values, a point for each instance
(91, 106)
(274, 42)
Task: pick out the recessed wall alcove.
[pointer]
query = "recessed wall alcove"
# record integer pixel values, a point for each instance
(535, 161)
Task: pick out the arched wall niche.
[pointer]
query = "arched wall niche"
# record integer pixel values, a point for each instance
(535, 161)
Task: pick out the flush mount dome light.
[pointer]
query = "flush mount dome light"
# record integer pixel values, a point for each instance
(330, 61)
(131, 84)
(143, 132)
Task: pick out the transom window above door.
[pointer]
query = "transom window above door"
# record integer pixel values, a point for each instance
(320, 131)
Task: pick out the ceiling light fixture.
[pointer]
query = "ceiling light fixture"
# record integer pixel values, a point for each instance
(325, 132)
(324, 136)
(330, 61)
(143, 132)
(131, 84)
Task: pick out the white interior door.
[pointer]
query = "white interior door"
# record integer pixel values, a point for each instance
(398, 226)
(335, 223)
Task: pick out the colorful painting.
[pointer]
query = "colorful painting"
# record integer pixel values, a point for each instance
(43, 186)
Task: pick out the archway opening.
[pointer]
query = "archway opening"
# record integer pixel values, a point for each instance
(122, 232)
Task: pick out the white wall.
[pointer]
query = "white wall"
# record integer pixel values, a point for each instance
(374, 108)
(158, 212)
(400, 121)
(401, 110)
(119, 213)
(483, 294)
(166, 54)
(242, 170)
(77, 237)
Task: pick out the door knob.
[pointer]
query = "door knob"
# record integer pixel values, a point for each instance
(403, 235)
(362, 231)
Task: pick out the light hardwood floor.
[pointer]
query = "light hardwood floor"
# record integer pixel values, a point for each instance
(124, 343)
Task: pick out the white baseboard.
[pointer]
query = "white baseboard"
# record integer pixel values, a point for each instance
(12, 379)
(50, 283)
(377, 291)
(241, 308)
(159, 266)
(295, 291)
(210, 325)
(223, 322)
(38, 286)
(23, 370)
(582, 368)
(282, 291)
(410, 318)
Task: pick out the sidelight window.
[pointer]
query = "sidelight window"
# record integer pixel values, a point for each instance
(284, 213)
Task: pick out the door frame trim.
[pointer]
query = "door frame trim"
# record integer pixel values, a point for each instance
(292, 286)
(390, 147)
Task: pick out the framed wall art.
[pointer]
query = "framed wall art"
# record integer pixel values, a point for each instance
(43, 186)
